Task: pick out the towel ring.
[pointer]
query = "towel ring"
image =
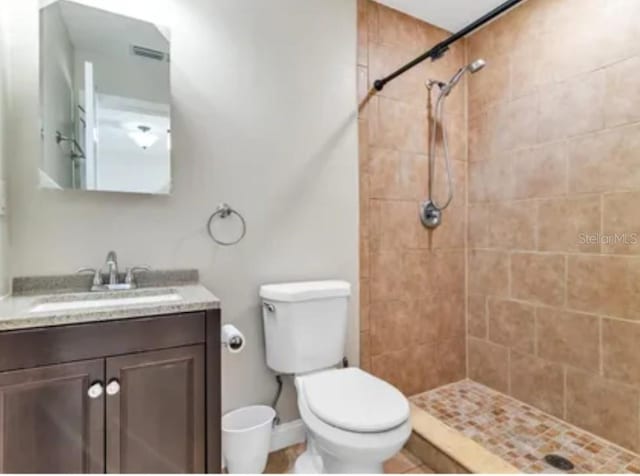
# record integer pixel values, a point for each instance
(224, 211)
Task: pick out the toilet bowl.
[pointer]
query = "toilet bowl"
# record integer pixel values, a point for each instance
(354, 421)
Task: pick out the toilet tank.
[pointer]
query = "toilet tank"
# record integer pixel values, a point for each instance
(305, 324)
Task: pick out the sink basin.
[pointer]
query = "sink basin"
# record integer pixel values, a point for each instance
(97, 300)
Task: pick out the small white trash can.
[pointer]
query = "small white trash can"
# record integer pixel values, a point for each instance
(246, 438)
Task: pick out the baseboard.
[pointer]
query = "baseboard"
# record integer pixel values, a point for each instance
(287, 434)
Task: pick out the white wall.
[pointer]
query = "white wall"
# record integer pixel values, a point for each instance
(263, 117)
(4, 104)
(57, 58)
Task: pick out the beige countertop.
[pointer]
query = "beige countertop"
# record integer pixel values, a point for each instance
(17, 311)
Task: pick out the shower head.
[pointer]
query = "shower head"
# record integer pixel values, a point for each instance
(472, 68)
(476, 65)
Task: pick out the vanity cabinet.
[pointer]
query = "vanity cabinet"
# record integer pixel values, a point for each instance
(128, 396)
(155, 420)
(49, 425)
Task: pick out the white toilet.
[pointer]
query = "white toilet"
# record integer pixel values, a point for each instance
(354, 421)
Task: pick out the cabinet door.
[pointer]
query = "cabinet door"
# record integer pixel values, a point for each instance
(49, 422)
(156, 412)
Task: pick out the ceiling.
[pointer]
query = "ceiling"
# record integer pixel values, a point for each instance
(452, 15)
(101, 31)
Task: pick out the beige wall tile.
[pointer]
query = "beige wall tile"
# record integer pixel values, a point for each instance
(621, 358)
(540, 171)
(456, 126)
(387, 275)
(365, 257)
(397, 175)
(537, 382)
(365, 354)
(444, 272)
(480, 145)
(566, 224)
(492, 85)
(363, 32)
(498, 178)
(479, 214)
(393, 326)
(450, 339)
(441, 182)
(365, 300)
(385, 58)
(538, 278)
(416, 295)
(400, 126)
(396, 28)
(363, 87)
(604, 284)
(450, 233)
(489, 364)
(606, 162)
(568, 337)
(518, 123)
(572, 107)
(490, 180)
(621, 223)
(393, 224)
(512, 225)
(372, 21)
(623, 94)
(529, 68)
(621, 17)
(408, 369)
(477, 315)
(608, 410)
(489, 272)
(511, 324)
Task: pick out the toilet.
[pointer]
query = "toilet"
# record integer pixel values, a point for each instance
(354, 421)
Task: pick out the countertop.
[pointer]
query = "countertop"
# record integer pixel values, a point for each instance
(16, 310)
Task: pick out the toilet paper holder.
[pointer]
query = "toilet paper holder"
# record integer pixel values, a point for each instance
(231, 338)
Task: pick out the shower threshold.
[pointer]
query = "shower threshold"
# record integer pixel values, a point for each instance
(483, 431)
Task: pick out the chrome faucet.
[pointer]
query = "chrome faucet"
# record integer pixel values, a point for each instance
(112, 264)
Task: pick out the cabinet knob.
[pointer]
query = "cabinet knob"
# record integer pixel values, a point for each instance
(113, 387)
(95, 390)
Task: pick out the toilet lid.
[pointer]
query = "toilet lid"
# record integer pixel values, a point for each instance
(354, 400)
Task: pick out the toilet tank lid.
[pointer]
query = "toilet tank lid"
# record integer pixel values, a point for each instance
(305, 290)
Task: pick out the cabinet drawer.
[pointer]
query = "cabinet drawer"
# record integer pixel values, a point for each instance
(51, 345)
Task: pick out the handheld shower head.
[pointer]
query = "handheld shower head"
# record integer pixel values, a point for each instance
(476, 65)
(472, 68)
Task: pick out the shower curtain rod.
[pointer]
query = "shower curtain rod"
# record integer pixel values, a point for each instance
(441, 48)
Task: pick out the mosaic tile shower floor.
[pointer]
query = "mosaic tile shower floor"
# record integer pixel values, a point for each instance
(521, 434)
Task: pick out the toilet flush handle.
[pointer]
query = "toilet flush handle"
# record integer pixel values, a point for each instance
(269, 307)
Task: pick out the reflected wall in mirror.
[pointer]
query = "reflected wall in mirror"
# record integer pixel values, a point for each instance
(105, 101)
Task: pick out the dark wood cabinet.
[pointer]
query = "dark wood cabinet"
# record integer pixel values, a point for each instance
(156, 415)
(49, 423)
(145, 402)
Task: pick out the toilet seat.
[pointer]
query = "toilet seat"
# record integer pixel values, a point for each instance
(345, 443)
(352, 400)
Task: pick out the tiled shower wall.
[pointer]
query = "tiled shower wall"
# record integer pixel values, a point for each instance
(554, 176)
(412, 280)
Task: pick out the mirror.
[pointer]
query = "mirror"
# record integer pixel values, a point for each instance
(104, 100)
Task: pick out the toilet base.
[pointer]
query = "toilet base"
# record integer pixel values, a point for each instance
(316, 461)
(335, 466)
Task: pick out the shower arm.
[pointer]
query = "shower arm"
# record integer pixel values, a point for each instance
(441, 48)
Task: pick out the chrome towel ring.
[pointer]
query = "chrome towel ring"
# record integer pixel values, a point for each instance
(224, 211)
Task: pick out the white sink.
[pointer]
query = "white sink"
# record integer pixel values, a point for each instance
(89, 301)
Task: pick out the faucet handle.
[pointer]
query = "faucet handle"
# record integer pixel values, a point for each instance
(97, 276)
(128, 279)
